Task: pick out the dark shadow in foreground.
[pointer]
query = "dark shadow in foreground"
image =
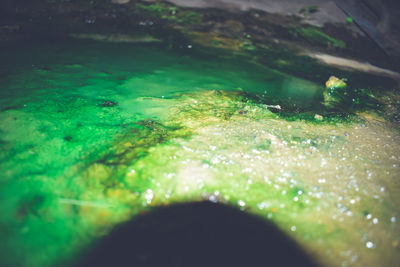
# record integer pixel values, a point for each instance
(196, 234)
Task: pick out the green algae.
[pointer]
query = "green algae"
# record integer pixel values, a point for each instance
(186, 127)
(131, 147)
(338, 95)
(316, 35)
(170, 13)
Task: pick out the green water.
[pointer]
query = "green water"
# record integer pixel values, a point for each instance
(93, 133)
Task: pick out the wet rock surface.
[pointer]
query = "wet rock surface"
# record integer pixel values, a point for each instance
(217, 105)
(304, 174)
(165, 21)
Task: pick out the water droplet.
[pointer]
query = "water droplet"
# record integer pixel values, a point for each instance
(369, 244)
(213, 198)
(149, 196)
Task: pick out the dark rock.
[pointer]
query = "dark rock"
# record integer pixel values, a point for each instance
(109, 103)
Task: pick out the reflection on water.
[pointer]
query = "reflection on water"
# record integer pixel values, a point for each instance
(97, 133)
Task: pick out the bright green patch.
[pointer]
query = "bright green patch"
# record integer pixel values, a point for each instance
(349, 20)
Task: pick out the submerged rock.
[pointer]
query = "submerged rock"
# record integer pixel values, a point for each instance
(109, 103)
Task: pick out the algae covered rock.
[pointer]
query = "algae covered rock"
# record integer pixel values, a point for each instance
(334, 92)
(335, 82)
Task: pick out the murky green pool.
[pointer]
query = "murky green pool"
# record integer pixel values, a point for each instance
(92, 133)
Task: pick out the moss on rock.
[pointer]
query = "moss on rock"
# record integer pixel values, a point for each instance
(315, 35)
